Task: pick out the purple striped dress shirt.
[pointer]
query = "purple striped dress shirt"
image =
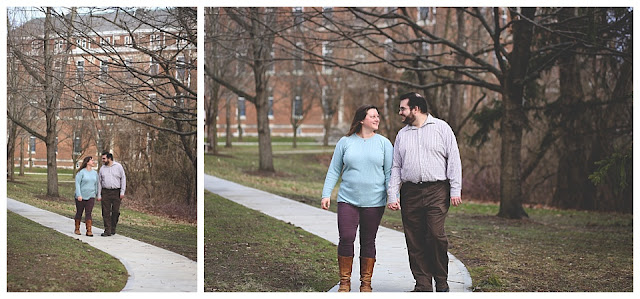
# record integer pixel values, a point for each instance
(425, 154)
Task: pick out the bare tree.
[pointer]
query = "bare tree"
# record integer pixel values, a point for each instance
(143, 75)
(253, 29)
(38, 59)
(507, 65)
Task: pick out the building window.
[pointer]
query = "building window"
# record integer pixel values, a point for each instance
(102, 106)
(32, 144)
(388, 49)
(127, 40)
(297, 62)
(153, 67)
(270, 98)
(128, 64)
(389, 11)
(77, 102)
(298, 17)
(155, 40)
(327, 53)
(242, 113)
(180, 68)
(59, 46)
(271, 65)
(77, 143)
(423, 13)
(82, 43)
(179, 100)
(328, 14)
(99, 143)
(153, 105)
(80, 70)
(433, 16)
(181, 39)
(425, 47)
(327, 99)
(297, 104)
(105, 41)
(104, 70)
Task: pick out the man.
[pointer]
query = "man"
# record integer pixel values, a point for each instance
(426, 163)
(113, 183)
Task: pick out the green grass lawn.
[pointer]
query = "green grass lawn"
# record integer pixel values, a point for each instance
(176, 236)
(553, 250)
(246, 251)
(39, 259)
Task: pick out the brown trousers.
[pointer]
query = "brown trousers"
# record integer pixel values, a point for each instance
(424, 209)
(110, 209)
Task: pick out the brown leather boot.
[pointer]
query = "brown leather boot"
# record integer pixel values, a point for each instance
(77, 231)
(366, 271)
(345, 263)
(88, 224)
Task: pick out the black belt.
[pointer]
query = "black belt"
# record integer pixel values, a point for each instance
(427, 183)
(111, 188)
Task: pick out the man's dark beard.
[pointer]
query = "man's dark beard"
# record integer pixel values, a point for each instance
(409, 119)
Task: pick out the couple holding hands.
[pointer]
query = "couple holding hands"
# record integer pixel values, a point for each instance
(107, 185)
(423, 168)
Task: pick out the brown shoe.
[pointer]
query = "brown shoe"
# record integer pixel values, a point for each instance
(366, 271)
(88, 224)
(345, 263)
(77, 230)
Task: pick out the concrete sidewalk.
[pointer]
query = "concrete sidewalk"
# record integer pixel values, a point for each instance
(151, 269)
(391, 272)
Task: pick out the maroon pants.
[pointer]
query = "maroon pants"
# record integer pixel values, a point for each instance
(349, 218)
(424, 209)
(84, 206)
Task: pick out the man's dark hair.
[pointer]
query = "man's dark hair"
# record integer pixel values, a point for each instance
(415, 100)
(108, 154)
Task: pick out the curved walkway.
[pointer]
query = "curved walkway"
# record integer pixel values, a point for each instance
(391, 274)
(151, 269)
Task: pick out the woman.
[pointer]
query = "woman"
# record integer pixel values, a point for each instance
(363, 158)
(86, 191)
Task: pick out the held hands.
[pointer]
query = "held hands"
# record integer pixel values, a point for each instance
(394, 206)
(325, 203)
(456, 200)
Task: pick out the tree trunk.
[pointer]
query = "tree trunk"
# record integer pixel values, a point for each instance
(295, 135)
(212, 115)
(457, 92)
(573, 187)
(21, 157)
(513, 119)
(264, 132)
(11, 149)
(52, 99)
(228, 126)
(261, 48)
(52, 164)
(327, 130)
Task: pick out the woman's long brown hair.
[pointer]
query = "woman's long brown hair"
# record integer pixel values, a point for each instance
(84, 163)
(361, 113)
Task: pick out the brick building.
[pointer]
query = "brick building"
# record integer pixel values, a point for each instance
(123, 73)
(317, 97)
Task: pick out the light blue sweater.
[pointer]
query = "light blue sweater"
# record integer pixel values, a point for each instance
(365, 166)
(86, 184)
